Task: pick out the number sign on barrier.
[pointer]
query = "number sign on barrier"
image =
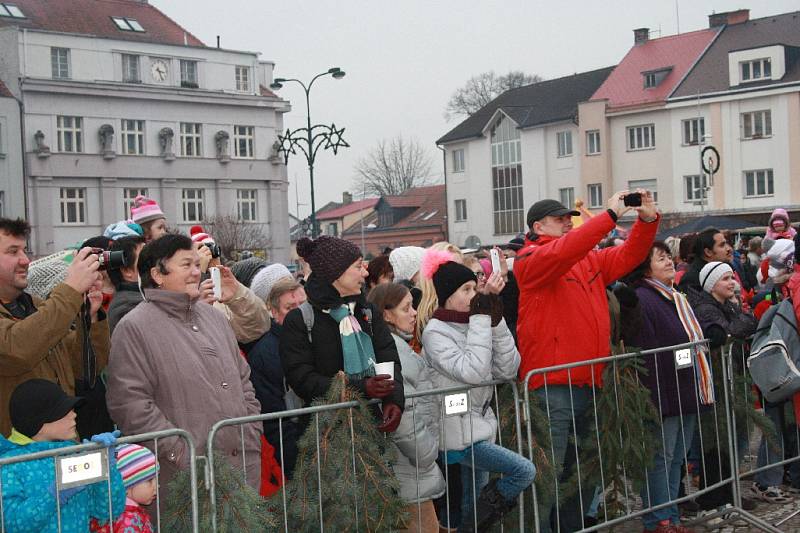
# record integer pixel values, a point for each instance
(683, 358)
(76, 470)
(456, 404)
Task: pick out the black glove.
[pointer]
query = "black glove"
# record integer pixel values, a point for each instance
(487, 304)
(378, 386)
(391, 418)
(627, 297)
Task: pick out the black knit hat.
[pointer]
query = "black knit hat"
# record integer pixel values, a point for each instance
(328, 256)
(449, 277)
(36, 402)
(245, 270)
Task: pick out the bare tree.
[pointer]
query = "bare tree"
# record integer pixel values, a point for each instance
(233, 235)
(482, 89)
(392, 167)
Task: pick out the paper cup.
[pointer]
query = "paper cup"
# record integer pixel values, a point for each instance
(384, 368)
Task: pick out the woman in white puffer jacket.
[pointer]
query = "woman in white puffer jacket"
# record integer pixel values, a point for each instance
(468, 343)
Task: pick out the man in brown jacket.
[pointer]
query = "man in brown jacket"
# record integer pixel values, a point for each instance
(37, 338)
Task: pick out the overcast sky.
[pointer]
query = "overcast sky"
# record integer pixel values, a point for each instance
(404, 58)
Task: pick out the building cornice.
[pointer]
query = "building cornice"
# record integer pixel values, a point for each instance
(774, 88)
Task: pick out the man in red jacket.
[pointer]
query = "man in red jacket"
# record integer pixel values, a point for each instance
(563, 314)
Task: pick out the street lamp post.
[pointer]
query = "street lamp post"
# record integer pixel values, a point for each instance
(309, 139)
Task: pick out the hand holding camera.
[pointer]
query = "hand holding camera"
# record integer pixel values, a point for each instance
(640, 200)
(83, 273)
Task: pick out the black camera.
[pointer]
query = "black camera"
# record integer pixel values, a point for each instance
(633, 199)
(110, 260)
(214, 247)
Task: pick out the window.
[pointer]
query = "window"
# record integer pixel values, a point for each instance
(59, 61)
(694, 129)
(128, 196)
(132, 137)
(127, 24)
(70, 134)
(508, 209)
(642, 137)
(192, 200)
(695, 188)
(332, 229)
(130, 68)
(246, 204)
(564, 139)
(758, 69)
(242, 78)
(595, 195)
(593, 142)
(757, 124)
(567, 197)
(10, 10)
(654, 78)
(73, 205)
(758, 183)
(188, 73)
(191, 139)
(648, 185)
(243, 141)
(458, 160)
(461, 210)
(650, 80)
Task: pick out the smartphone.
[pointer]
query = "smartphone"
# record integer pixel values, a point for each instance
(217, 280)
(495, 255)
(633, 199)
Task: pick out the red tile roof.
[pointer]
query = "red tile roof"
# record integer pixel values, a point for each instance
(4, 90)
(431, 210)
(347, 209)
(625, 86)
(93, 17)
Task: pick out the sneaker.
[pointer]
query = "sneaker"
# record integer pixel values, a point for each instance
(663, 527)
(770, 494)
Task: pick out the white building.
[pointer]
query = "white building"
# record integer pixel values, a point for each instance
(12, 197)
(120, 100)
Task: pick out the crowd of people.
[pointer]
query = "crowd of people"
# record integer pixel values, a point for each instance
(87, 352)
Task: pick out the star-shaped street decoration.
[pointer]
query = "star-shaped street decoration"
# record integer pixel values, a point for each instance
(334, 139)
(287, 145)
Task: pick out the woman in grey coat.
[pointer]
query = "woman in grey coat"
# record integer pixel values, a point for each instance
(416, 438)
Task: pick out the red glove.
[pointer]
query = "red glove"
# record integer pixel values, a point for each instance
(379, 386)
(391, 418)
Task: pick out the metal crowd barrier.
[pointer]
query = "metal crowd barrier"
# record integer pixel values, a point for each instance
(95, 461)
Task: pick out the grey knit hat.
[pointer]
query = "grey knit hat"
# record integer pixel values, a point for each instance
(45, 273)
(244, 271)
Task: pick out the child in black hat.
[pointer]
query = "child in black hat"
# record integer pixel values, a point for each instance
(43, 418)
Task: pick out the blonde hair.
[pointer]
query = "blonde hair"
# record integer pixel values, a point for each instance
(429, 302)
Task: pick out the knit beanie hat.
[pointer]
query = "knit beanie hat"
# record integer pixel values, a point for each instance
(145, 210)
(328, 256)
(199, 235)
(36, 402)
(267, 277)
(45, 273)
(447, 275)
(121, 229)
(135, 464)
(245, 270)
(781, 257)
(711, 273)
(406, 261)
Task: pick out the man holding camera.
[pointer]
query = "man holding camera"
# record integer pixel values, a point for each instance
(564, 317)
(37, 338)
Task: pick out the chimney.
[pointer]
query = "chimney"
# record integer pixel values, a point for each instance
(641, 35)
(739, 16)
(347, 198)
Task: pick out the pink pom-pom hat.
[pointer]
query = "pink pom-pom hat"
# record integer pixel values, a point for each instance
(145, 210)
(432, 260)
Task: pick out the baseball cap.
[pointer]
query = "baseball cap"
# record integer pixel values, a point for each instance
(544, 208)
(36, 402)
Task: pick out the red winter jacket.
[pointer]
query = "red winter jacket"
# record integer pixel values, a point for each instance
(563, 308)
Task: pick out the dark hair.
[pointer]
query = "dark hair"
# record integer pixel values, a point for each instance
(387, 296)
(377, 268)
(126, 245)
(641, 271)
(156, 252)
(97, 242)
(15, 227)
(705, 241)
(686, 248)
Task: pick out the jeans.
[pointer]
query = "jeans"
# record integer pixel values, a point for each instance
(566, 407)
(518, 473)
(768, 454)
(664, 477)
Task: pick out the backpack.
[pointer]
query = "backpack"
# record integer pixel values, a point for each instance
(307, 311)
(775, 353)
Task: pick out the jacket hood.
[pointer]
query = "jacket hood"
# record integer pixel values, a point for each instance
(780, 213)
(324, 295)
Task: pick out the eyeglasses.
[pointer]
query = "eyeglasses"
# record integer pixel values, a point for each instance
(480, 274)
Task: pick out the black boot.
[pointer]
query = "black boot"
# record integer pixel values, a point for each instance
(490, 507)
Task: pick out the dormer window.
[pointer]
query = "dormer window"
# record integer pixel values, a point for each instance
(758, 69)
(650, 80)
(127, 24)
(10, 10)
(654, 77)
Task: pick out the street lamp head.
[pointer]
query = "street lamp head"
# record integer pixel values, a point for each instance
(277, 84)
(336, 72)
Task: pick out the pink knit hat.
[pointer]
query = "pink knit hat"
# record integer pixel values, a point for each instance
(199, 235)
(145, 210)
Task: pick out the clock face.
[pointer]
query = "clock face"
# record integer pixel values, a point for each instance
(159, 70)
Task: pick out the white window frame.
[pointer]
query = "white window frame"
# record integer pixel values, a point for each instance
(595, 193)
(648, 184)
(593, 142)
(131, 71)
(750, 121)
(74, 197)
(755, 70)
(243, 78)
(247, 205)
(193, 202)
(564, 143)
(11, 10)
(189, 73)
(332, 229)
(768, 177)
(60, 63)
(129, 194)
(244, 137)
(508, 210)
(458, 160)
(137, 134)
(650, 80)
(693, 131)
(640, 137)
(69, 131)
(566, 196)
(191, 137)
(460, 207)
(695, 188)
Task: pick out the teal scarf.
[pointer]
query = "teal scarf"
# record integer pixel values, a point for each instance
(359, 356)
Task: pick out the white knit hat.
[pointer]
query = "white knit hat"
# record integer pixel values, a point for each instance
(781, 257)
(267, 277)
(45, 273)
(406, 261)
(712, 273)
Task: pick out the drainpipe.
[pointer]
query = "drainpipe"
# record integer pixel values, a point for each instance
(446, 205)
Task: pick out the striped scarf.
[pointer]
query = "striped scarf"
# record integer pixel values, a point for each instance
(357, 350)
(702, 369)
